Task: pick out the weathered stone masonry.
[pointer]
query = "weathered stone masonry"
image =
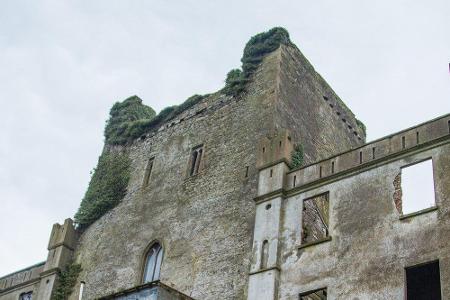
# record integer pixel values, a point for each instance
(233, 228)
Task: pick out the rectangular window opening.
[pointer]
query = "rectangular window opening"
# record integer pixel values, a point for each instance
(417, 187)
(403, 142)
(360, 157)
(315, 218)
(295, 180)
(373, 152)
(196, 160)
(271, 172)
(246, 171)
(148, 172)
(417, 137)
(423, 282)
(332, 167)
(320, 294)
(320, 172)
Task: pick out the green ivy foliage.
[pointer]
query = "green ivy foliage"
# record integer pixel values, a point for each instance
(128, 121)
(255, 50)
(67, 281)
(121, 117)
(297, 156)
(106, 189)
(361, 125)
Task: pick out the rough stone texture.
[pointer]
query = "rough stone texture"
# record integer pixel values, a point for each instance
(204, 222)
(301, 107)
(315, 218)
(371, 245)
(398, 192)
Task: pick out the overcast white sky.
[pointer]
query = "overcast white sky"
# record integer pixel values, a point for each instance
(64, 63)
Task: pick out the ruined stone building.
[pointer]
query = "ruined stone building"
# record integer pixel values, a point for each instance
(215, 208)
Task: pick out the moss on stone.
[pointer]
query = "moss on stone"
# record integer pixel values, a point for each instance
(131, 119)
(255, 50)
(361, 125)
(106, 189)
(297, 156)
(67, 281)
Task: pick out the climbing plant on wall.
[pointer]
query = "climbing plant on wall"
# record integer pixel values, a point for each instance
(106, 189)
(66, 282)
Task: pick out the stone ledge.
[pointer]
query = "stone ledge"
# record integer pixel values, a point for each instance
(420, 212)
(327, 239)
(265, 270)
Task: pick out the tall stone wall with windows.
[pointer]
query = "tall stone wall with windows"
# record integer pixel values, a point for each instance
(204, 221)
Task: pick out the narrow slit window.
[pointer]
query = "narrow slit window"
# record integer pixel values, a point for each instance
(264, 254)
(373, 152)
(148, 172)
(320, 172)
(417, 187)
(332, 167)
(403, 142)
(295, 180)
(196, 160)
(271, 172)
(360, 157)
(417, 137)
(423, 282)
(320, 294)
(315, 220)
(246, 171)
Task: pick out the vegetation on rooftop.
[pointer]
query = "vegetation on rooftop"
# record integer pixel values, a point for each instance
(106, 189)
(297, 156)
(67, 281)
(361, 125)
(130, 119)
(255, 50)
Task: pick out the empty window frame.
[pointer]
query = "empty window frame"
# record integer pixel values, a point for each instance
(423, 282)
(153, 261)
(417, 187)
(315, 218)
(196, 160)
(26, 296)
(148, 172)
(320, 294)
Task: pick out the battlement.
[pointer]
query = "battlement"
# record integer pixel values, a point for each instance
(21, 277)
(371, 153)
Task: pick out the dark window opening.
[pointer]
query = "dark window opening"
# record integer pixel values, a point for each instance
(246, 171)
(26, 296)
(423, 282)
(295, 179)
(332, 167)
(148, 172)
(373, 152)
(320, 294)
(320, 172)
(196, 159)
(360, 157)
(264, 254)
(315, 220)
(417, 137)
(403, 142)
(268, 206)
(271, 172)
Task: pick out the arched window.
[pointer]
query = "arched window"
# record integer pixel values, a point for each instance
(153, 263)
